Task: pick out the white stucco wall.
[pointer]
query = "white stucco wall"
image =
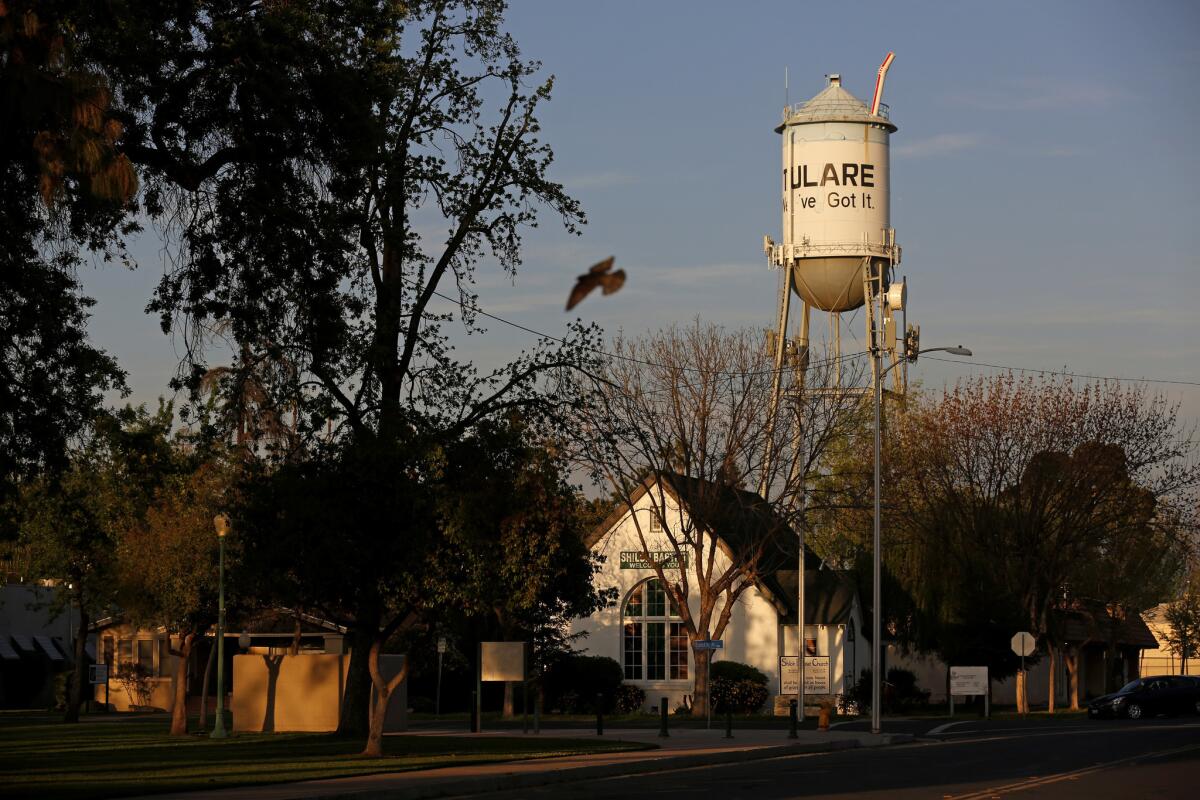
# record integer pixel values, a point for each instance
(752, 636)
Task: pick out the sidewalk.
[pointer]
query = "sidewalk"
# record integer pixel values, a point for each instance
(684, 748)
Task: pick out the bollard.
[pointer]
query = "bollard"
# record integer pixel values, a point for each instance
(792, 721)
(662, 728)
(599, 714)
(728, 724)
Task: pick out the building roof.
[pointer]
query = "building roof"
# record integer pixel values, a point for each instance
(1100, 626)
(828, 596)
(742, 520)
(258, 621)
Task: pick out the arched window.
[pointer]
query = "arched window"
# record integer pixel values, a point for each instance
(654, 643)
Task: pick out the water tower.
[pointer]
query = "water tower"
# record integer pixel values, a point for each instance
(838, 250)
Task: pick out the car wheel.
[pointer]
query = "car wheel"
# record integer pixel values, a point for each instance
(1134, 711)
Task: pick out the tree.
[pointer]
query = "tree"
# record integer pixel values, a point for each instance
(302, 152)
(65, 187)
(1034, 490)
(513, 547)
(680, 417)
(168, 562)
(73, 521)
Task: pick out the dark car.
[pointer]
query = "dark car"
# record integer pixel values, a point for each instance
(1146, 697)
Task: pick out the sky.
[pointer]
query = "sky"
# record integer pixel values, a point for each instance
(1045, 183)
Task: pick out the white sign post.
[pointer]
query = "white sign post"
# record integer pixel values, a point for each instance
(1023, 644)
(498, 661)
(970, 681)
(437, 703)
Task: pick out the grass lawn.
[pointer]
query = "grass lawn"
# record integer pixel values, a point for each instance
(118, 755)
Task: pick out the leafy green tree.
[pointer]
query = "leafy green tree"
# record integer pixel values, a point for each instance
(1028, 487)
(65, 188)
(303, 151)
(167, 566)
(73, 521)
(513, 546)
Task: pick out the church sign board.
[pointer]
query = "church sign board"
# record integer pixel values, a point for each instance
(816, 675)
(637, 559)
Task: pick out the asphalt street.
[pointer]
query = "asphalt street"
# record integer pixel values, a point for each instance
(965, 760)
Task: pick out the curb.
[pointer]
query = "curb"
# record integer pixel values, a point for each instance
(550, 777)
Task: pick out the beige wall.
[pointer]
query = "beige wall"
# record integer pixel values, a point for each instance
(1161, 661)
(300, 693)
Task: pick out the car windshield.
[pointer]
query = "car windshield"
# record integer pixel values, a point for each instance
(1129, 687)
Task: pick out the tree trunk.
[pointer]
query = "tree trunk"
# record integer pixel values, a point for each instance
(179, 707)
(701, 684)
(508, 700)
(75, 690)
(381, 694)
(1052, 652)
(1071, 660)
(356, 704)
(212, 652)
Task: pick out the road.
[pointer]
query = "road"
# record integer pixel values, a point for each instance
(972, 760)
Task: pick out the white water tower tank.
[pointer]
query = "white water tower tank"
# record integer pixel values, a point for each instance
(836, 196)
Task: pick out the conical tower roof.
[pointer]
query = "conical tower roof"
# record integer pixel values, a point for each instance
(834, 104)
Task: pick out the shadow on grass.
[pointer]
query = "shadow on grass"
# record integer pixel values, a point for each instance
(40, 756)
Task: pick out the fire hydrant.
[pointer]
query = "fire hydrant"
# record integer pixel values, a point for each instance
(823, 716)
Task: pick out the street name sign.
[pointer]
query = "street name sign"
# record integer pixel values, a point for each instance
(708, 644)
(968, 680)
(1023, 644)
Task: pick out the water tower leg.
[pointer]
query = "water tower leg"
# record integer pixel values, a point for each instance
(781, 341)
(869, 315)
(835, 337)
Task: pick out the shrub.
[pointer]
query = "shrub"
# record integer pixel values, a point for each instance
(135, 680)
(630, 699)
(573, 681)
(736, 671)
(900, 691)
(737, 688)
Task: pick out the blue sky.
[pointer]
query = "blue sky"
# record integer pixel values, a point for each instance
(1045, 182)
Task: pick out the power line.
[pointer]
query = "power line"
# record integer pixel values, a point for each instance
(477, 310)
(1064, 373)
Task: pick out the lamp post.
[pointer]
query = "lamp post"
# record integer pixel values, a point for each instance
(876, 581)
(221, 523)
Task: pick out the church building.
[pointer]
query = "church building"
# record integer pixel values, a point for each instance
(676, 521)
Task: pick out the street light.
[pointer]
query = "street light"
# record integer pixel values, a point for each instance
(221, 523)
(876, 622)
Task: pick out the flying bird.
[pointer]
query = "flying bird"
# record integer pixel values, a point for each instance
(598, 275)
